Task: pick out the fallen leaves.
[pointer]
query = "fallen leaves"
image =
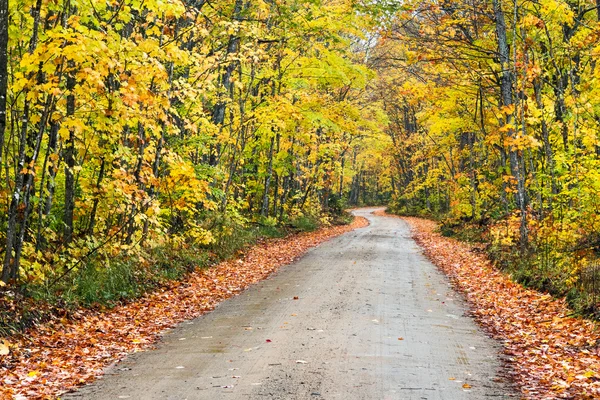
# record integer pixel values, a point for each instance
(551, 354)
(57, 356)
(4, 348)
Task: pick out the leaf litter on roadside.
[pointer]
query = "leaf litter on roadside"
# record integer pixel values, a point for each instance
(64, 353)
(551, 354)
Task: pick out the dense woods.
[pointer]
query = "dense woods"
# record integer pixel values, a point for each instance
(130, 127)
(494, 117)
(142, 141)
(134, 131)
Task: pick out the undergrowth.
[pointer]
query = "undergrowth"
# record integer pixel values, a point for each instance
(103, 283)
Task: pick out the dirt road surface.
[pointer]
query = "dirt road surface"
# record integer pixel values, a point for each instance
(363, 316)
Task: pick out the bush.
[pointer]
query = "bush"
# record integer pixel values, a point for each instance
(104, 285)
(344, 218)
(305, 223)
(336, 204)
(105, 281)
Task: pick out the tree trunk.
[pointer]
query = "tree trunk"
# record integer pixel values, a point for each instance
(92, 222)
(506, 90)
(53, 169)
(69, 155)
(9, 269)
(548, 152)
(3, 70)
(341, 187)
(265, 201)
(20, 206)
(219, 110)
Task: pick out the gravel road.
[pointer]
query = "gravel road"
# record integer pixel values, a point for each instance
(363, 316)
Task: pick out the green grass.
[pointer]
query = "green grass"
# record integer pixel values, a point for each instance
(305, 223)
(106, 282)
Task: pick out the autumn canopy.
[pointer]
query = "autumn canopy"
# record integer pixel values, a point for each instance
(132, 126)
(143, 140)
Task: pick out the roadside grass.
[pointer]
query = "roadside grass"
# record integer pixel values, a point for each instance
(103, 283)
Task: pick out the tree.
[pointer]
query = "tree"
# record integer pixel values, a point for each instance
(138, 125)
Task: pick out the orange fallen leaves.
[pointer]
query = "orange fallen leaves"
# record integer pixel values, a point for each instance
(551, 355)
(65, 353)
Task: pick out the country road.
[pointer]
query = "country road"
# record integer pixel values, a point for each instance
(363, 316)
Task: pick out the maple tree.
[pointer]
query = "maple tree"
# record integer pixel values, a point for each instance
(494, 121)
(126, 125)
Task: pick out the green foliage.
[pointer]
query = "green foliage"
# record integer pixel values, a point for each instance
(272, 232)
(343, 218)
(336, 204)
(305, 223)
(107, 284)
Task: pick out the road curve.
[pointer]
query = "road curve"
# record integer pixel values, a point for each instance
(363, 316)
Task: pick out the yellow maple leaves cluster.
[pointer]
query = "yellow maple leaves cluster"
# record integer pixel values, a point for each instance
(129, 121)
(494, 113)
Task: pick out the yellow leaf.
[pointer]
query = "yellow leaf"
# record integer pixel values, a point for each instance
(509, 109)
(63, 133)
(466, 386)
(4, 349)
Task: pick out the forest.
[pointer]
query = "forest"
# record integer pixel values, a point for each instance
(158, 157)
(138, 138)
(494, 116)
(135, 134)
